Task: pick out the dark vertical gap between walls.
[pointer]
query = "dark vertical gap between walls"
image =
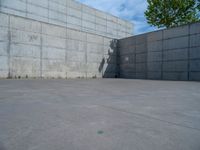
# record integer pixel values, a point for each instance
(162, 55)
(188, 71)
(117, 72)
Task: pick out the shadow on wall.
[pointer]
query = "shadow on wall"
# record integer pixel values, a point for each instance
(109, 64)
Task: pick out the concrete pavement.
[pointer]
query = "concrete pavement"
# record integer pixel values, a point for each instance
(108, 114)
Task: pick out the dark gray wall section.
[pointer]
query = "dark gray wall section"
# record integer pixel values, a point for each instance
(170, 54)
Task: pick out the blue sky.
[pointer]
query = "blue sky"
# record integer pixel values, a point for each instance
(132, 10)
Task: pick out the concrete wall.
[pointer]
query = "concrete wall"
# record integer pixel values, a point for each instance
(30, 48)
(71, 14)
(171, 54)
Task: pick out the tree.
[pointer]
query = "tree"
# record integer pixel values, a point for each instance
(170, 13)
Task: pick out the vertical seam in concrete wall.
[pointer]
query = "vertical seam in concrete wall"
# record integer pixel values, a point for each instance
(162, 55)
(41, 53)
(135, 59)
(106, 25)
(66, 15)
(8, 48)
(188, 73)
(66, 55)
(95, 22)
(102, 56)
(118, 59)
(86, 62)
(48, 10)
(26, 8)
(146, 72)
(82, 18)
(0, 5)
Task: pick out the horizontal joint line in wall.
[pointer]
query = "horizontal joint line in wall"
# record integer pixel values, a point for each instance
(194, 71)
(195, 46)
(57, 59)
(198, 33)
(176, 60)
(25, 56)
(194, 58)
(174, 71)
(2, 41)
(13, 9)
(140, 53)
(37, 5)
(175, 49)
(30, 13)
(13, 42)
(176, 37)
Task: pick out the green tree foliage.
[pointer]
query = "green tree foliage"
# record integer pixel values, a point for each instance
(170, 13)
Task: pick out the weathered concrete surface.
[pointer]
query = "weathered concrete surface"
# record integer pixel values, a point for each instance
(30, 48)
(71, 14)
(99, 115)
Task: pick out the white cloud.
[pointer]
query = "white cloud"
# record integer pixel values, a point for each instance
(132, 10)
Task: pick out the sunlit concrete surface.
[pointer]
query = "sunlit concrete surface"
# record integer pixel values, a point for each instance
(110, 114)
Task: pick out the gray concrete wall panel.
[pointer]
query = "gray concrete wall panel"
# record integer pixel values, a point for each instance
(30, 48)
(69, 13)
(177, 76)
(170, 54)
(176, 32)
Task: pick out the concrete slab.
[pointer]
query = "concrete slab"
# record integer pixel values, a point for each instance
(195, 53)
(155, 36)
(154, 46)
(176, 43)
(177, 76)
(178, 54)
(154, 56)
(154, 66)
(194, 76)
(141, 58)
(175, 66)
(194, 40)
(99, 114)
(4, 20)
(195, 28)
(141, 67)
(195, 65)
(176, 32)
(24, 24)
(3, 48)
(153, 75)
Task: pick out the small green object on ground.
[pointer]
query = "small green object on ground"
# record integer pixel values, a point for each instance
(100, 132)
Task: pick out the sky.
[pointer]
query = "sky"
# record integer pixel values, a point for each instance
(132, 10)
